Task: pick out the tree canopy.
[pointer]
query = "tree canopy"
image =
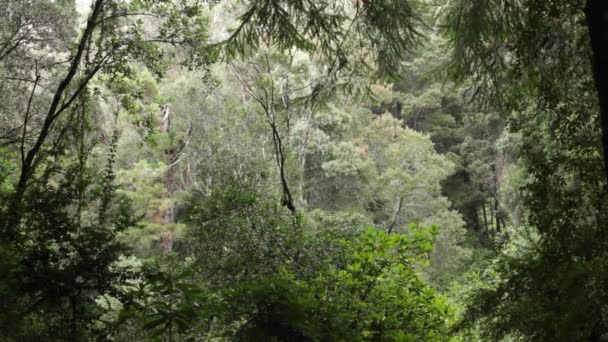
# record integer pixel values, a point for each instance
(365, 170)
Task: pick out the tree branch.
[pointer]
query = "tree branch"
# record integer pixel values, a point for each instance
(28, 164)
(27, 115)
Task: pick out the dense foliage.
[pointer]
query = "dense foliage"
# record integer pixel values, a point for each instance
(271, 170)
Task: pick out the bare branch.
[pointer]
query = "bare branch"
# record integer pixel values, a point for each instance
(267, 104)
(27, 115)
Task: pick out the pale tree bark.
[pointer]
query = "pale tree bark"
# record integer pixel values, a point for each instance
(166, 112)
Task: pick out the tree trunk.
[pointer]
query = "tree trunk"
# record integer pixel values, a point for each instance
(485, 216)
(166, 113)
(497, 212)
(596, 12)
(492, 217)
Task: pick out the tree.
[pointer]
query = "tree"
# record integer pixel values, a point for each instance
(255, 153)
(61, 216)
(374, 293)
(494, 38)
(532, 59)
(101, 46)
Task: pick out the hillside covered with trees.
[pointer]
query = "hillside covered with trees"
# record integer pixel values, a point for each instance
(303, 170)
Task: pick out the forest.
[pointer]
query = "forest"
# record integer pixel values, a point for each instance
(303, 170)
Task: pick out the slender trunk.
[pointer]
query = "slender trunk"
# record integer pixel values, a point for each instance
(485, 213)
(504, 226)
(596, 12)
(494, 194)
(396, 215)
(497, 213)
(492, 216)
(166, 113)
(485, 216)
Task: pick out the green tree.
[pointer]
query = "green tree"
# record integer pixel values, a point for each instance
(350, 300)
(542, 81)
